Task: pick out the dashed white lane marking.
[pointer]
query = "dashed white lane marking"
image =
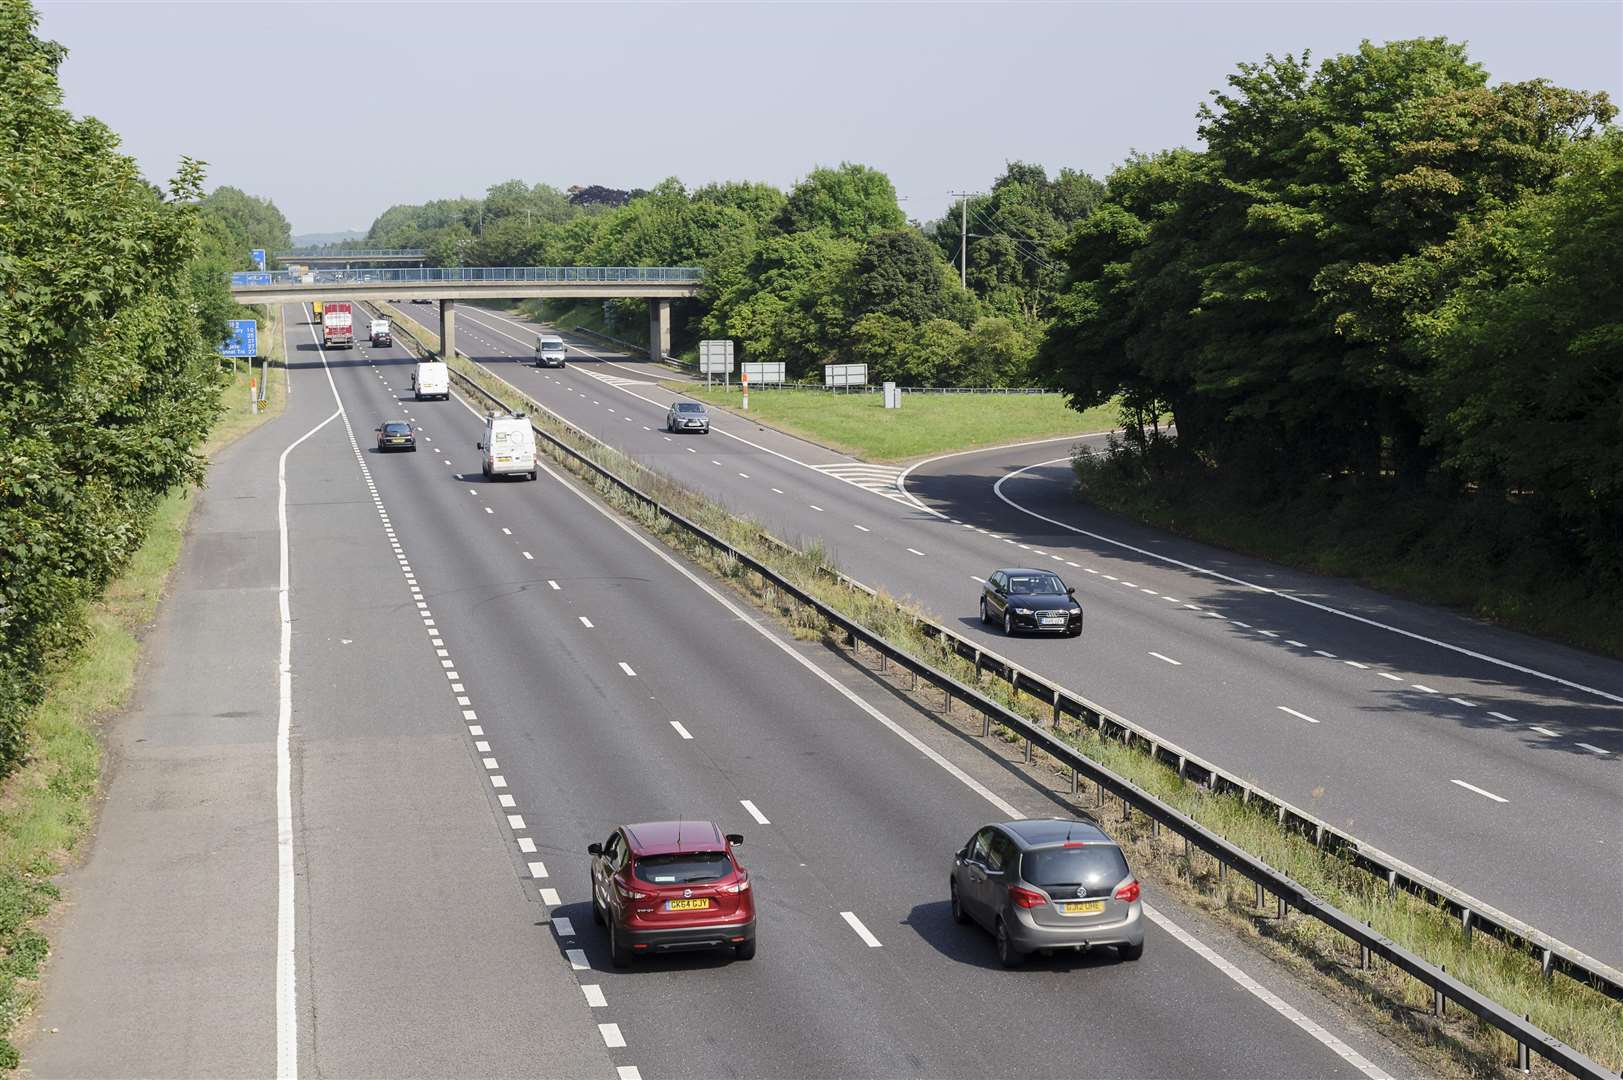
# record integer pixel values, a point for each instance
(1462, 701)
(1237, 622)
(584, 621)
(1546, 731)
(577, 959)
(713, 461)
(594, 996)
(488, 510)
(611, 1035)
(1595, 749)
(1423, 688)
(515, 821)
(563, 926)
(490, 763)
(921, 554)
(527, 555)
(1502, 716)
(498, 781)
(1267, 633)
(507, 801)
(625, 667)
(538, 870)
(1486, 794)
(1389, 675)
(549, 897)
(1326, 655)
(506, 531)
(552, 584)
(1152, 592)
(1110, 577)
(814, 506)
(690, 449)
(777, 491)
(754, 812)
(864, 528)
(1168, 659)
(1298, 715)
(1171, 599)
(680, 730)
(627, 1072)
(862, 931)
(745, 475)
(1356, 664)
(645, 427)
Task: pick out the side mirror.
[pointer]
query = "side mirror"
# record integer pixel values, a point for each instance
(594, 849)
(478, 446)
(1070, 591)
(961, 854)
(735, 839)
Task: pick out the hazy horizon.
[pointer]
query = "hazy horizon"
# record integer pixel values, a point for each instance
(336, 111)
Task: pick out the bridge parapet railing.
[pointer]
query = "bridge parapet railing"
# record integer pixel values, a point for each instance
(646, 275)
(370, 253)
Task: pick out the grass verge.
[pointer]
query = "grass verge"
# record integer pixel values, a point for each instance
(1456, 1042)
(860, 425)
(46, 805)
(1494, 559)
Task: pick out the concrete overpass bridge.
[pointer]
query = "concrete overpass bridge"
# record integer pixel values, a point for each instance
(659, 285)
(348, 259)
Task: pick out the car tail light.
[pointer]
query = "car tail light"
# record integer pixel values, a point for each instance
(627, 892)
(1128, 892)
(1026, 898)
(742, 885)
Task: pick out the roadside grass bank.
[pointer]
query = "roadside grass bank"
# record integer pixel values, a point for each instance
(1488, 559)
(236, 417)
(47, 805)
(1455, 1042)
(860, 425)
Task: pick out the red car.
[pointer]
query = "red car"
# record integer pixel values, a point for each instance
(670, 886)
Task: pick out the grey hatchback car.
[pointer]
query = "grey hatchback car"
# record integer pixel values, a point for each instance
(1048, 884)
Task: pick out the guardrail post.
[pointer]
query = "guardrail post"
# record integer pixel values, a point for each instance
(1055, 722)
(1524, 1060)
(1547, 963)
(1222, 870)
(1465, 924)
(986, 725)
(1437, 999)
(1073, 779)
(1028, 750)
(1260, 896)
(1391, 884)
(1281, 905)
(977, 667)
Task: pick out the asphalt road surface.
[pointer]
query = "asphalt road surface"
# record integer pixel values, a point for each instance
(1460, 748)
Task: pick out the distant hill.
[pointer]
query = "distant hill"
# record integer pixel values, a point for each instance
(316, 239)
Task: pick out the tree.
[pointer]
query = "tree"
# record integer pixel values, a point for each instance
(900, 274)
(851, 201)
(786, 305)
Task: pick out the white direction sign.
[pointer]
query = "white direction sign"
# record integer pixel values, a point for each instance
(761, 374)
(845, 374)
(716, 357)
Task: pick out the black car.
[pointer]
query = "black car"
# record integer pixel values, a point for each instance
(1035, 600)
(396, 435)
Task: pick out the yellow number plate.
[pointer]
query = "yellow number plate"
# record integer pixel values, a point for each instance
(1084, 907)
(697, 904)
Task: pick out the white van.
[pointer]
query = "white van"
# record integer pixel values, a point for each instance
(508, 446)
(431, 380)
(549, 351)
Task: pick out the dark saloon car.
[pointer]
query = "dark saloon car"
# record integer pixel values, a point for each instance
(672, 886)
(396, 435)
(1040, 885)
(1034, 600)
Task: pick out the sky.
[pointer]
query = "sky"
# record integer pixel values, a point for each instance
(339, 110)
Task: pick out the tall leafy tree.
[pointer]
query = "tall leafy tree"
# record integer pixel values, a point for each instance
(851, 201)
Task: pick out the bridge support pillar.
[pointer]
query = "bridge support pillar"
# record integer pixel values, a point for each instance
(447, 329)
(659, 329)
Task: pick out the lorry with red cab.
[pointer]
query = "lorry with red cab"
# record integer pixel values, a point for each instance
(338, 325)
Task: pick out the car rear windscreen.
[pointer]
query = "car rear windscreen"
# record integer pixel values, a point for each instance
(1096, 867)
(690, 869)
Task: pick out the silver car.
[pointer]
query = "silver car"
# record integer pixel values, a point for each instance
(1048, 884)
(687, 416)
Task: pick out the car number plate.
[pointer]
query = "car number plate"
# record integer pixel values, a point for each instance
(699, 903)
(1084, 907)
(1057, 620)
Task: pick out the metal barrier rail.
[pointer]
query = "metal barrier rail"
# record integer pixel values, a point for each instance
(374, 253)
(1528, 1036)
(870, 388)
(416, 275)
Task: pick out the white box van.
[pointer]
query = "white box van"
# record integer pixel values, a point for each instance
(508, 446)
(549, 351)
(431, 381)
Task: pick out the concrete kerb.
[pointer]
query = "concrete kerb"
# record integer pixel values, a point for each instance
(1526, 1035)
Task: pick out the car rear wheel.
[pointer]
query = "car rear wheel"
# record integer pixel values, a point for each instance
(1007, 954)
(745, 950)
(1008, 624)
(619, 952)
(1130, 952)
(959, 916)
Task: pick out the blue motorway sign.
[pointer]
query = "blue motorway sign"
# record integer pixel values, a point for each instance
(248, 277)
(258, 256)
(244, 340)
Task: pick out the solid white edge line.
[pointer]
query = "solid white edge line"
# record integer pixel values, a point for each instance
(1280, 1006)
(997, 489)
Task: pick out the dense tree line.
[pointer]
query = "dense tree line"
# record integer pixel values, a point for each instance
(108, 377)
(1382, 274)
(830, 271)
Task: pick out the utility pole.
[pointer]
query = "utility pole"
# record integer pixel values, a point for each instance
(963, 236)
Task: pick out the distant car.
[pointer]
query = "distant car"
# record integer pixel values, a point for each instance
(396, 435)
(1048, 884)
(688, 416)
(670, 886)
(420, 300)
(1035, 600)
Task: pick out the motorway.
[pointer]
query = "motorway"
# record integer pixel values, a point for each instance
(507, 653)
(1457, 747)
